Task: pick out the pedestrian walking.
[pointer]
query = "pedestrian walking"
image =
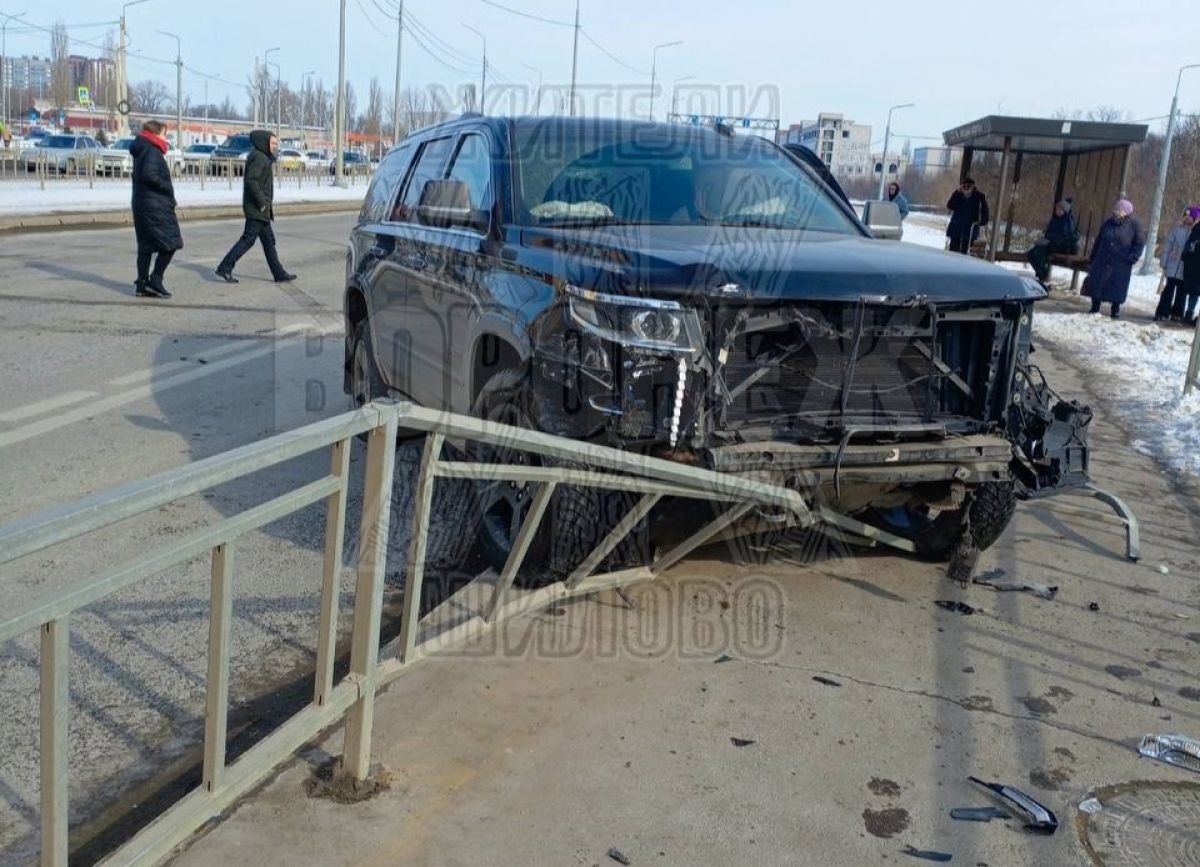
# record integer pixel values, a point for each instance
(968, 214)
(1176, 303)
(258, 196)
(154, 221)
(1117, 249)
(1191, 269)
(901, 200)
(1060, 236)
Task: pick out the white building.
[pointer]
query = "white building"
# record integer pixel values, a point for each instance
(843, 145)
(936, 160)
(897, 165)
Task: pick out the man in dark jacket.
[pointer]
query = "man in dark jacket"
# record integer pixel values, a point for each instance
(968, 214)
(1191, 268)
(258, 195)
(153, 204)
(1060, 236)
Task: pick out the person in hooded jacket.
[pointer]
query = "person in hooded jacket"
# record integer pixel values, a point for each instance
(1117, 249)
(153, 203)
(1191, 268)
(1175, 303)
(968, 214)
(258, 196)
(901, 200)
(1060, 236)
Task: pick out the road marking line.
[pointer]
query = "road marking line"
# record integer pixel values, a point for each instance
(143, 391)
(192, 360)
(32, 409)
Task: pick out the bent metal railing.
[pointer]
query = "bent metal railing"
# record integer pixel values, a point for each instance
(352, 698)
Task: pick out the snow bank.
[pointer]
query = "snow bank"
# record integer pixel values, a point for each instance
(25, 198)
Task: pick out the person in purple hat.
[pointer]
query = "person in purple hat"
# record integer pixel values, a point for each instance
(1174, 303)
(1117, 249)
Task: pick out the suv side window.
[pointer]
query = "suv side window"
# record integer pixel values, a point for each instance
(473, 166)
(384, 185)
(431, 165)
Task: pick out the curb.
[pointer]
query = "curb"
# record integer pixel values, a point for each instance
(119, 218)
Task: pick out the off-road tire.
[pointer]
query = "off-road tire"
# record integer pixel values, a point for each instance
(990, 507)
(374, 386)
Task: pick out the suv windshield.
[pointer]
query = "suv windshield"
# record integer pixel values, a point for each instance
(59, 141)
(639, 174)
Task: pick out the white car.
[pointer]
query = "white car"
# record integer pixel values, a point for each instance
(291, 160)
(116, 159)
(196, 157)
(317, 159)
(63, 153)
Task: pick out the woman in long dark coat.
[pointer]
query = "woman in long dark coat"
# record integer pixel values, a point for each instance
(154, 220)
(1191, 268)
(1117, 249)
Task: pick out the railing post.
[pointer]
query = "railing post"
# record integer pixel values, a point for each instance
(368, 594)
(55, 711)
(414, 575)
(335, 535)
(216, 701)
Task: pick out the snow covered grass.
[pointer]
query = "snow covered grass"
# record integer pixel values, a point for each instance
(1134, 364)
(68, 196)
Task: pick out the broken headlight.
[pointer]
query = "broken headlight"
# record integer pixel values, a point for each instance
(665, 326)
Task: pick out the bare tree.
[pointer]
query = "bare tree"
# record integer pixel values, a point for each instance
(372, 120)
(150, 97)
(351, 108)
(60, 65)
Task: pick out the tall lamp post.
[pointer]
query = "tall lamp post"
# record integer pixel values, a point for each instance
(303, 100)
(887, 135)
(278, 101)
(339, 112)
(483, 75)
(178, 90)
(266, 99)
(122, 67)
(654, 70)
(675, 92)
(4, 62)
(399, 57)
(1160, 190)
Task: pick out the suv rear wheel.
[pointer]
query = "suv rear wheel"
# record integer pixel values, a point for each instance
(366, 384)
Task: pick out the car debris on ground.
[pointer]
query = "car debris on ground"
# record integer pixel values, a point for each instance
(1038, 817)
(1172, 748)
(998, 579)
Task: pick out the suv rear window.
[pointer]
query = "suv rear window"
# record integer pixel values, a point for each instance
(630, 174)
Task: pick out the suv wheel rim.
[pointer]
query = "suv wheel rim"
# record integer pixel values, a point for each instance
(358, 374)
(504, 505)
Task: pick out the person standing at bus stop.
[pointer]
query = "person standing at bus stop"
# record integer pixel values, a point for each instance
(968, 214)
(1117, 249)
(153, 203)
(258, 198)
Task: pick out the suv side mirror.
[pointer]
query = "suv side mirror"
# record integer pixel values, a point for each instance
(445, 204)
(883, 219)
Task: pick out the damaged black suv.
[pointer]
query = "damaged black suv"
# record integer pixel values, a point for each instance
(702, 297)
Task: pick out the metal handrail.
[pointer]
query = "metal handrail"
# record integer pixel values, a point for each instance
(352, 698)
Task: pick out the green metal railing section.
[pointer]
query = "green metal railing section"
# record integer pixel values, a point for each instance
(351, 698)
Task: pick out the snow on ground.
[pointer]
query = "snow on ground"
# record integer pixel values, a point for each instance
(1136, 365)
(66, 196)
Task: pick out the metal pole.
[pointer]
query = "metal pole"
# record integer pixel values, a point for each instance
(399, 56)
(483, 78)
(178, 89)
(4, 64)
(575, 60)
(654, 71)
(266, 97)
(1160, 190)
(538, 105)
(887, 134)
(339, 120)
(1002, 198)
(278, 102)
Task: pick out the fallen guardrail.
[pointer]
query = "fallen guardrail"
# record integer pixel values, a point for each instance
(350, 699)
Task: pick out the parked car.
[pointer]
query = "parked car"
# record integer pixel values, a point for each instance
(353, 162)
(231, 153)
(116, 159)
(63, 153)
(699, 297)
(316, 159)
(196, 157)
(291, 160)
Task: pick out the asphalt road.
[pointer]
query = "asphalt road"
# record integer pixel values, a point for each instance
(101, 388)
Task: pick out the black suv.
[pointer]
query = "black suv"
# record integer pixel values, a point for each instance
(706, 298)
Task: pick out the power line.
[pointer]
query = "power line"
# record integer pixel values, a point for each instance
(610, 55)
(528, 15)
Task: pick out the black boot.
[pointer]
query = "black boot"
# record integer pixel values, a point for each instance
(227, 276)
(155, 285)
(141, 291)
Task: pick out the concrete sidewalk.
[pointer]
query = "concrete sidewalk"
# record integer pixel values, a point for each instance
(111, 219)
(592, 726)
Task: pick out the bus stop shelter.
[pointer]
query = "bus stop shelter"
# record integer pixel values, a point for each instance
(1093, 167)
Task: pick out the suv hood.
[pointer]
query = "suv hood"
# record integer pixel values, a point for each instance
(770, 264)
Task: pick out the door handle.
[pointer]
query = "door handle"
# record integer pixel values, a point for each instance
(415, 261)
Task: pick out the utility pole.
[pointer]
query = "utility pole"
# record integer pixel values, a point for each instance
(266, 96)
(575, 60)
(483, 76)
(178, 90)
(537, 108)
(654, 71)
(887, 134)
(339, 112)
(4, 63)
(278, 103)
(122, 70)
(399, 56)
(1160, 189)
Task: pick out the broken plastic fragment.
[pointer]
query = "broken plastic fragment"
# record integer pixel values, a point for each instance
(1173, 748)
(927, 854)
(825, 680)
(997, 579)
(952, 605)
(978, 814)
(1091, 806)
(619, 856)
(1039, 818)
(741, 742)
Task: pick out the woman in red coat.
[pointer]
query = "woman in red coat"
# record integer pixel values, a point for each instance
(154, 220)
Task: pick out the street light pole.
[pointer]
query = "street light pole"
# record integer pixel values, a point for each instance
(1160, 190)
(339, 119)
(399, 56)
(654, 71)
(4, 62)
(575, 59)
(675, 92)
(278, 102)
(887, 135)
(266, 99)
(483, 78)
(303, 103)
(122, 67)
(538, 106)
(178, 90)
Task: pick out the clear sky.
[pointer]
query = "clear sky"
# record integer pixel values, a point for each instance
(955, 60)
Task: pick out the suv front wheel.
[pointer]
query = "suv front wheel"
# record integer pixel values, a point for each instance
(990, 508)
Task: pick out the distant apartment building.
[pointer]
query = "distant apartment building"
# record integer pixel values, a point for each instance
(27, 75)
(897, 165)
(843, 145)
(94, 73)
(936, 160)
